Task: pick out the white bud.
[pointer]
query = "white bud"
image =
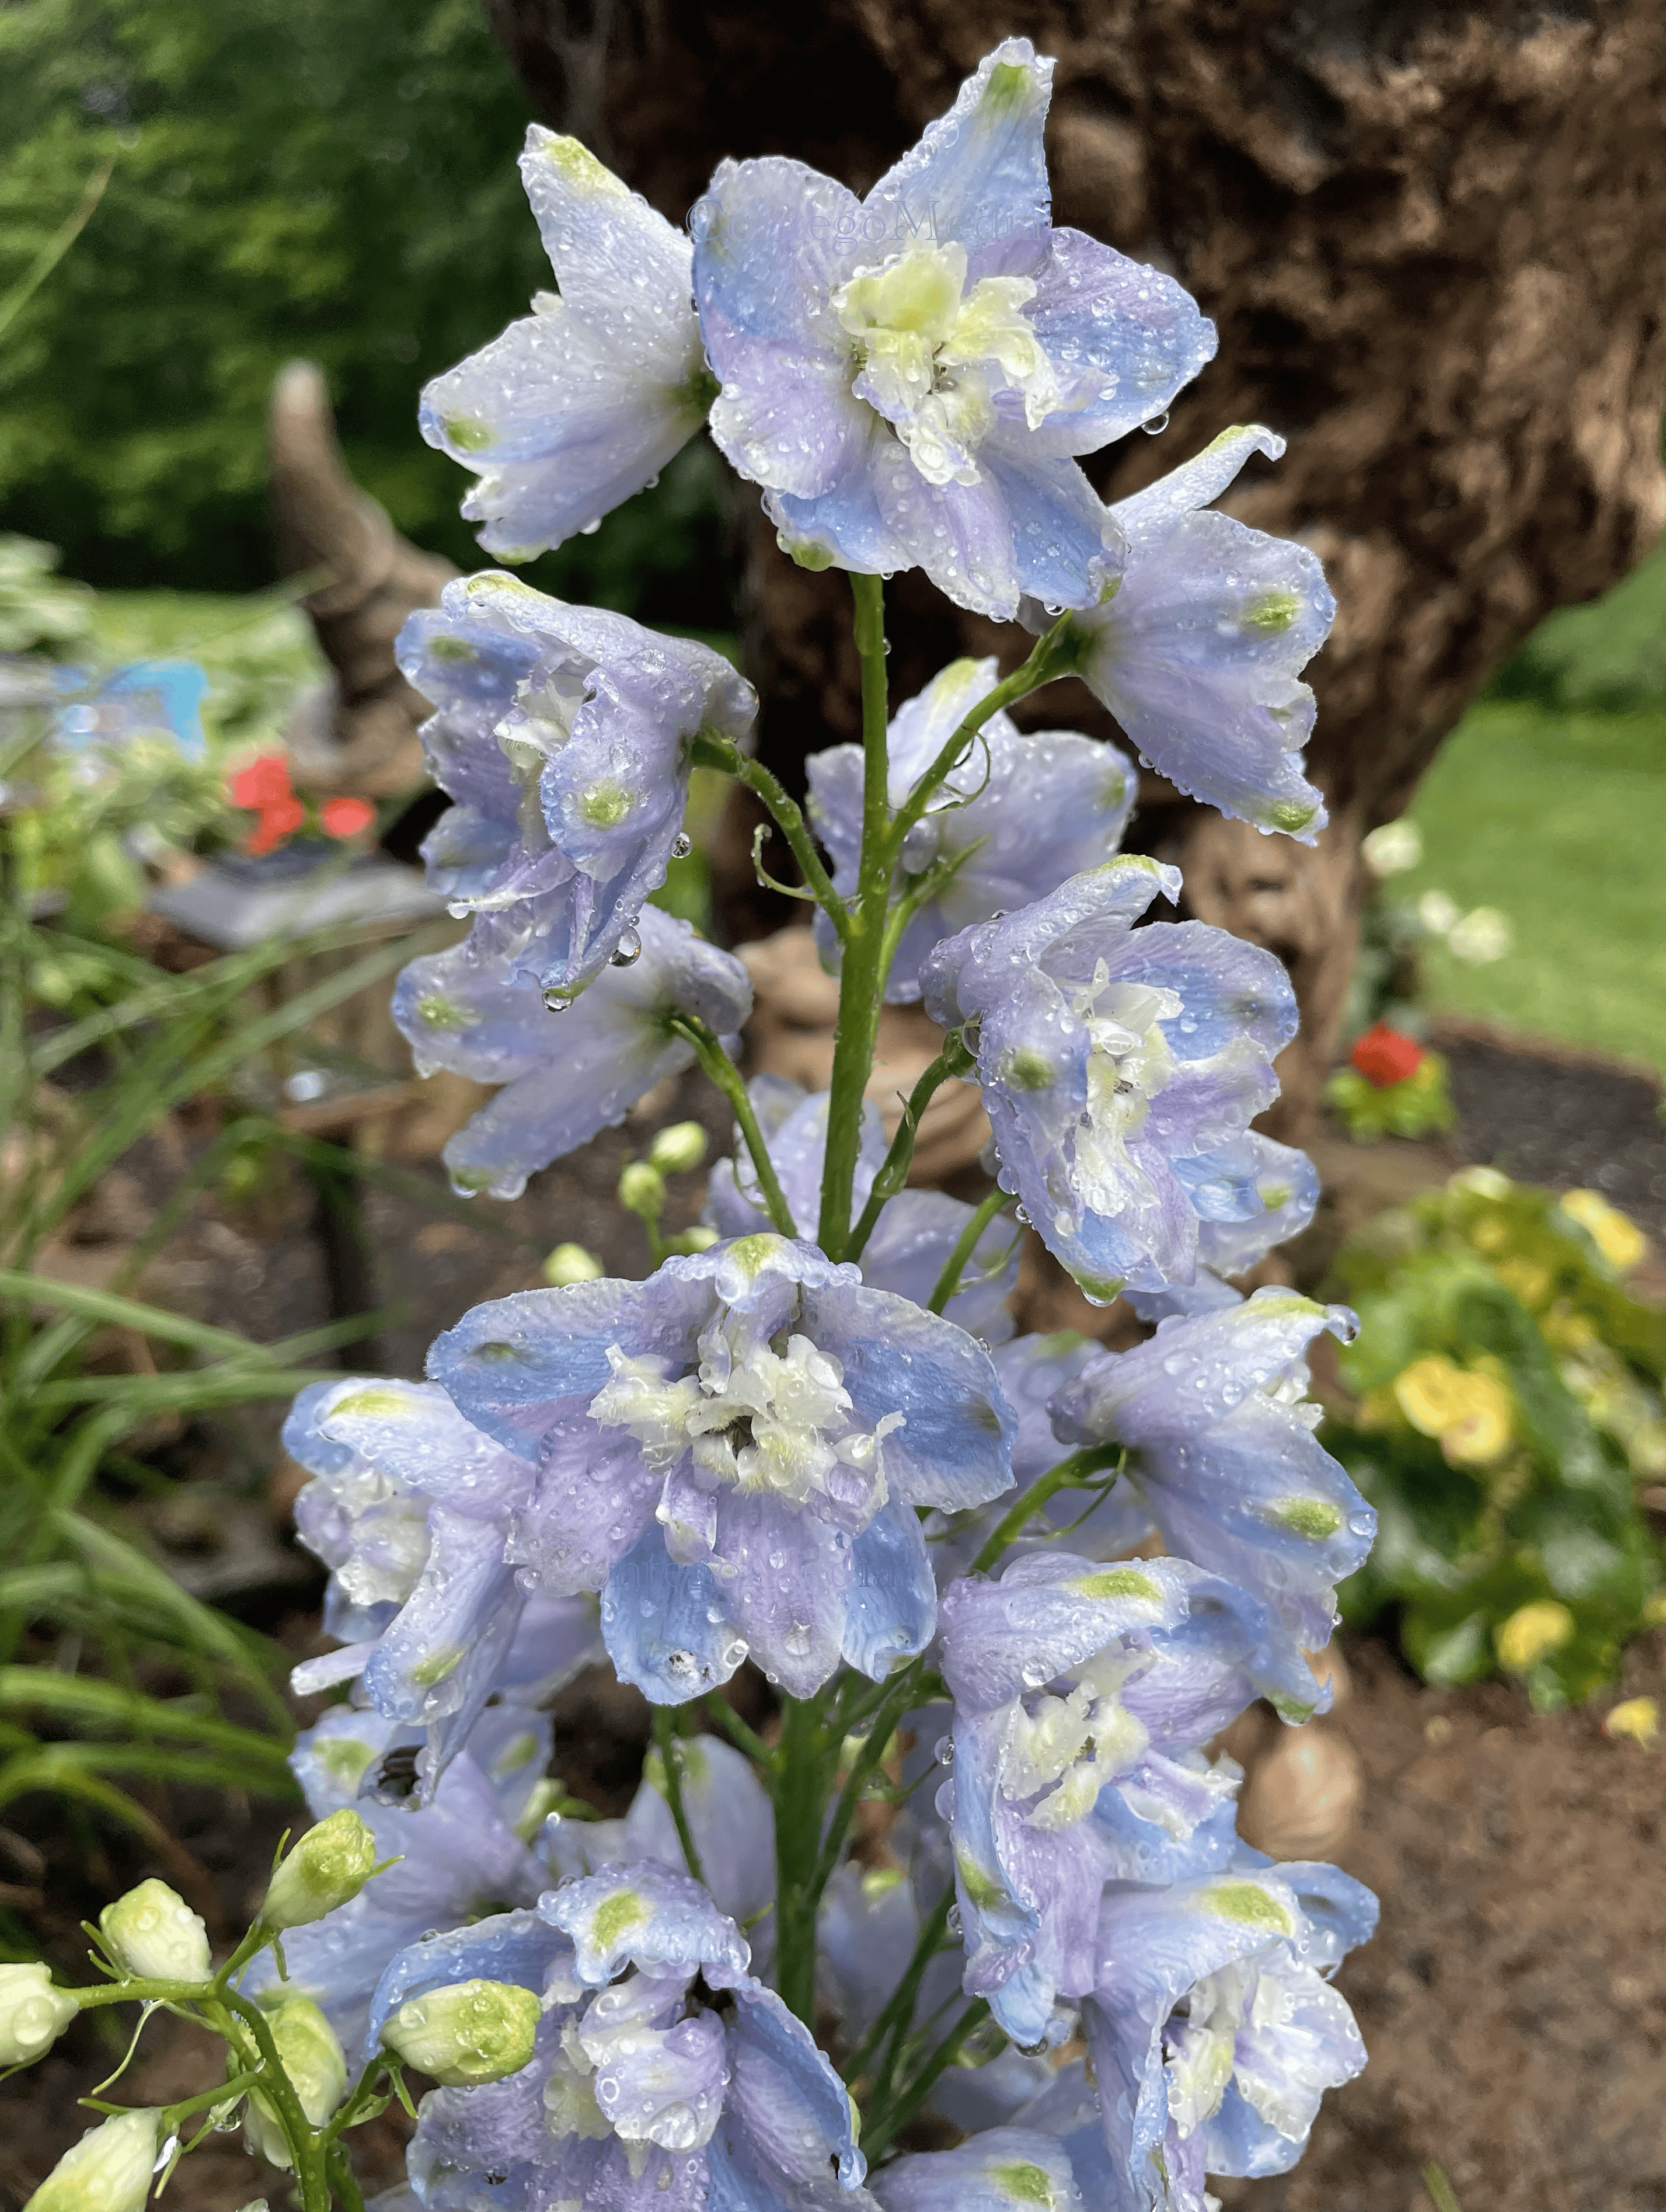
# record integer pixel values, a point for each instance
(312, 2058)
(642, 1188)
(571, 1263)
(109, 2170)
(33, 2013)
(678, 1148)
(153, 1933)
(467, 2032)
(329, 1865)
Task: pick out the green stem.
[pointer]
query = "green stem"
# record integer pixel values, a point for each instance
(862, 978)
(954, 1059)
(306, 2147)
(671, 1759)
(339, 2168)
(901, 1691)
(804, 1761)
(1070, 1474)
(709, 751)
(719, 1709)
(965, 1244)
(883, 2126)
(709, 1051)
(899, 2007)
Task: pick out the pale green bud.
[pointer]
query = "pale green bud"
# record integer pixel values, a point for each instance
(331, 1864)
(571, 1263)
(109, 2170)
(467, 2032)
(698, 1239)
(33, 2013)
(678, 1148)
(642, 1188)
(153, 1933)
(313, 2060)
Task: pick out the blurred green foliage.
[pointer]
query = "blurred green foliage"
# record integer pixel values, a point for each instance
(1505, 1403)
(1607, 657)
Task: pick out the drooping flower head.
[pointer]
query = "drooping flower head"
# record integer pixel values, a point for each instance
(583, 402)
(1199, 649)
(1083, 1697)
(563, 1079)
(733, 1452)
(1222, 1456)
(1118, 1065)
(1026, 809)
(908, 376)
(410, 1508)
(664, 2074)
(562, 733)
(1287, 1183)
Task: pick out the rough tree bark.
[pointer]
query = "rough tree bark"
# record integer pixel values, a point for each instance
(1433, 237)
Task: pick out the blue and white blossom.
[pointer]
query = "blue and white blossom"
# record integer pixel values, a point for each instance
(564, 1080)
(733, 1452)
(1119, 1067)
(1221, 1455)
(580, 404)
(1199, 650)
(1083, 1695)
(1286, 1184)
(411, 1507)
(910, 376)
(665, 2077)
(915, 1234)
(562, 733)
(1026, 809)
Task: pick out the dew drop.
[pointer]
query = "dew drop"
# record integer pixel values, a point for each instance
(557, 1000)
(943, 1751)
(953, 1922)
(681, 846)
(628, 951)
(1020, 1215)
(1157, 426)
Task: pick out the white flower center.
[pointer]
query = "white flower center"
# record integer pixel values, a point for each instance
(932, 355)
(771, 1416)
(535, 729)
(1129, 1061)
(1295, 2032)
(1069, 1744)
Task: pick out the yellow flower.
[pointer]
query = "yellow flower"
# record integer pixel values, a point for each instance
(1638, 1719)
(1526, 1278)
(1616, 1234)
(1470, 1413)
(1533, 1632)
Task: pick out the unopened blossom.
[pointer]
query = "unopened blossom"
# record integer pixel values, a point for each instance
(733, 1452)
(580, 404)
(1218, 1429)
(1213, 2028)
(1026, 809)
(410, 1509)
(563, 734)
(34, 2013)
(1117, 1065)
(109, 2170)
(1083, 1697)
(664, 2073)
(1198, 648)
(908, 376)
(570, 1072)
(915, 1234)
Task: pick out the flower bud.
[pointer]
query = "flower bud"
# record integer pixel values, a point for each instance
(330, 1864)
(571, 1263)
(642, 1188)
(312, 2058)
(678, 1148)
(109, 2170)
(152, 1932)
(467, 2033)
(33, 2013)
(698, 1239)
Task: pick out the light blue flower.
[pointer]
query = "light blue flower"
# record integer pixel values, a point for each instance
(410, 1508)
(1083, 1697)
(1001, 2170)
(1213, 2028)
(733, 1452)
(915, 1234)
(563, 1079)
(1027, 809)
(584, 401)
(1199, 650)
(664, 2076)
(455, 1858)
(1278, 1180)
(1116, 1064)
(562, 733)
(910, 375)
(1222, 1456)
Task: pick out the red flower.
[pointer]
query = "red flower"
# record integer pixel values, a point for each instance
(1385, 1056)
(264, 782)
(276, 823)
(345, 818)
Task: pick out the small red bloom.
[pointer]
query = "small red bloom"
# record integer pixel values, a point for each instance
(345, 818)
(279, 820)
(1385, 1056)
(264, 782)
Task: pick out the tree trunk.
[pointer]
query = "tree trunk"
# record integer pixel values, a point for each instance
(1433, 237)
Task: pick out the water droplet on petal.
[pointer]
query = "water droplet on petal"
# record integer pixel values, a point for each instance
(628, 951)
(681, 846)
(1157, 426)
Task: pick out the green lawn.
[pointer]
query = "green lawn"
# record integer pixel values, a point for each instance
(1558, 818)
